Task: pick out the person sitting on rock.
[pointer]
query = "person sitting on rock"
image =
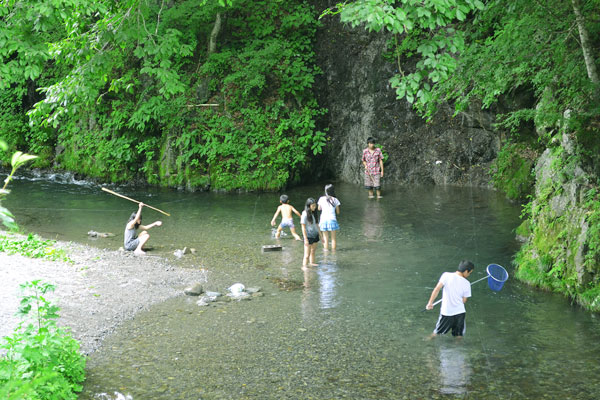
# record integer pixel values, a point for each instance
(135, 243)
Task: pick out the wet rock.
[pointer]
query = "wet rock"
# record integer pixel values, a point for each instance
(271, 247)
(194, 290)
(95, 234)
(253, 290)
(182, 252)
(213, 294)
(258, 294)
(239, 296)
(208, 299)
(364, 98)
(236, 288)
(202, 303)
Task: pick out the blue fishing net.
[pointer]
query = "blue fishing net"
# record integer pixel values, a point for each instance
(497, 276)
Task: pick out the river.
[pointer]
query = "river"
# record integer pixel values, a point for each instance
(351, 327)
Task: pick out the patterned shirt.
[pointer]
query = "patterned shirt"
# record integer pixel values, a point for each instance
(372, 160)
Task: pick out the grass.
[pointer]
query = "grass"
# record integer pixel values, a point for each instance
(32, 246)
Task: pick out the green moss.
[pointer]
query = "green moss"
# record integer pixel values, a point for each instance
(590, 298)
(512, 170)
(547, 260)
(524, 229)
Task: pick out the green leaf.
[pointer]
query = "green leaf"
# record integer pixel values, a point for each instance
(8, 219)
(19, 158)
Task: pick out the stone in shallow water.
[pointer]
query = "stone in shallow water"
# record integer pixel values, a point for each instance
(213, 294)
(271, 247)
(208, 299)
(239, 296)
(236, 288)
(194, 290)
(253, 290)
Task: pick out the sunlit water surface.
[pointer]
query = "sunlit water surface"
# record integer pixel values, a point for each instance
(353, 327)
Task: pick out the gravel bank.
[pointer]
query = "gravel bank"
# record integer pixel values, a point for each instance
(100, 290)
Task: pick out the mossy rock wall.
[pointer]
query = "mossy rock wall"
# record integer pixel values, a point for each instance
(561, 251)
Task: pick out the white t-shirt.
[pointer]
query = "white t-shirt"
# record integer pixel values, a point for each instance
(455, 288)
(328, 210)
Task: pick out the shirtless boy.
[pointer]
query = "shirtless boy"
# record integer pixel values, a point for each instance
(286, 211)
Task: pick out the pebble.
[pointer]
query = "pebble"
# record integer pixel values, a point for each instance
(194, 290)
(239, 296)
(178, 253)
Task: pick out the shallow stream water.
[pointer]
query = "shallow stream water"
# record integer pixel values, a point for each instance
(351, 327)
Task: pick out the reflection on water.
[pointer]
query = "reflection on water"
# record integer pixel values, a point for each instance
(327, 274)
(348, 328)
(455, 370)
(373, 220)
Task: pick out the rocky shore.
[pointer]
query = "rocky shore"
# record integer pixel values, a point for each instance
(97, 291)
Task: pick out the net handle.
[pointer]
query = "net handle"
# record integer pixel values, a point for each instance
(440, 300)
(479, 280)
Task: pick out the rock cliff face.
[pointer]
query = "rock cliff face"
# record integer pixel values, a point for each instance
(560, 252)
(355, 88)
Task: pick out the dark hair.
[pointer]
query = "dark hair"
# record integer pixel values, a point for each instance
(132, 217)
(284, 198)
(330, 194)
(308, 210)
(465, 265)
(371, 139)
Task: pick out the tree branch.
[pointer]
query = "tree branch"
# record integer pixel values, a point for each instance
(162, 4)
(585, 43)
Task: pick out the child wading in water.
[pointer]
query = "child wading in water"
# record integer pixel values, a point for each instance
(310, 231)
(135, 243)
(286, 211)
(329, 207)
(372, 159)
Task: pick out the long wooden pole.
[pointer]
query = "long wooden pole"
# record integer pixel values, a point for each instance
(135, 201)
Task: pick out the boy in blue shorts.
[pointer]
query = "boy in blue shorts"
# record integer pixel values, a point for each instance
(287, 220)
(457, 290)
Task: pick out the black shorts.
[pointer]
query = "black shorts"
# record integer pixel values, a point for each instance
(312, 240)
(454, 322)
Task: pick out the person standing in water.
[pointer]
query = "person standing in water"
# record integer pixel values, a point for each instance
(135, 243)
(310, 231)
(329, 206)
(372, 159)
(287, 219)
(457, 290)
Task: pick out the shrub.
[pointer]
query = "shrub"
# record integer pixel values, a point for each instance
(42, 360)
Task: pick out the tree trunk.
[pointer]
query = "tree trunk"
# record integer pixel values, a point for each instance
(212, 42)
(585, 43)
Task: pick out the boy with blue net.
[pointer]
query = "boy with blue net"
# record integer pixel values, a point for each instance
(457, 290)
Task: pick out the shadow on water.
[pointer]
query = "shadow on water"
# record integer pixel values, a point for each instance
(349, 328)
